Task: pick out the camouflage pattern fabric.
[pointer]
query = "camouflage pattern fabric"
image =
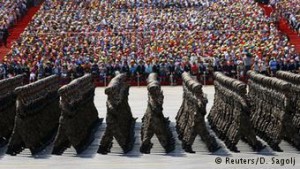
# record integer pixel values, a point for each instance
(79, 116)
(270, 102)
(292, 126)
(154, 122)
(120, 123)
(190, 117)
(37, 116)
(8, 106)
(229, 116)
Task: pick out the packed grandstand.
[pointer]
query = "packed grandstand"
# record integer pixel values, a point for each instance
(73, 37)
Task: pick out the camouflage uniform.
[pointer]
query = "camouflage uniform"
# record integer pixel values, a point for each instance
(154, 121)
(190, 117)
(269, 107)
(8, 107)
(229, 115)
(292, 124)
(79, 115)
(37, 116)
(120, 123)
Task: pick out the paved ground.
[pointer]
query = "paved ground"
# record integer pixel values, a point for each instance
(157, 159)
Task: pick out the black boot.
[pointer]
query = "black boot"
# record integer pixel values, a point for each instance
(233, 148)
(103, 150)
(170, 148)
(276, 148)
(214, 147)
(59, 150)
(258, 146)
(145, 149)
(16, 149)
(189, 149)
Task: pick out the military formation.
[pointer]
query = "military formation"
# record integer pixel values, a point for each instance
(190, 120)
(294, 97)
(8, 107)
(119, 119)
(229, 116)
(41, 113)
(37, 116)
(79, 116)
(272, 112)
(154, 121)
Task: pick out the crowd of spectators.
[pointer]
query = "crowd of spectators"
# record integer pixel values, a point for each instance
(73, 37)
(10, 12)
(290, 9)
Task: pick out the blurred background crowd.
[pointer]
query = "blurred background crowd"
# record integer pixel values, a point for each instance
(73, 37)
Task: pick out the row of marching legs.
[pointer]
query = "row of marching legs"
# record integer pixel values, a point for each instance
(38, 114)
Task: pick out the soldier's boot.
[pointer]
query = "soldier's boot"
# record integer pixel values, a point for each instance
(129, 146)
(170, 146)
(131, 139)
(276, 147)
(213, 147)
(296, 143)
(188, 148)
(104, 149)
(90, 137)
(35, 150)
(3, 142)
(211, 143)
(258, 146)
(293, 140)
(169, 143)
(84, 144)
(233, 148)
(15, 149)
(44, 142)
(59, 150)
(145, 148)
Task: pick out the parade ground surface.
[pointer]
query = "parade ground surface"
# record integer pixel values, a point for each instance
(178, 159)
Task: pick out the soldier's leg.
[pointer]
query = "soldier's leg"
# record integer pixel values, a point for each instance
(181, 121)
(16, 143)
(131, 138)
(273, 135)
(124, 135)
(188, 141)
(249, 136)
(291, 134)
(165, 137)
(7, 118)
(61, 142)
(210, 141)
(233, 138)
(106, 141)
(146, 140)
